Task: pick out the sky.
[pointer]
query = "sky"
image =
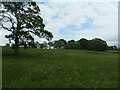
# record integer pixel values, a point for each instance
(76, 20)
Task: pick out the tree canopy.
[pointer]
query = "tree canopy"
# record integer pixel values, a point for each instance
(83, 43)
(95, 44)
(24, 22)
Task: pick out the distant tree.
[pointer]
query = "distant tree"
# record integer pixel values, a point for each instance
(41, 46)
(45, 45)
(112, 48)
(72, 44)
(60, 44)
(119, 48)
(115, 48)
(57, 44)
(24, 22)
(84, 43)
(31, 44)
(50, 44)
(97, 44)
(37, 44)
(63, 43)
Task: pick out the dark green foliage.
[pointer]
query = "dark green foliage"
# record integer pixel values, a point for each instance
(84, 43)
(43, 45)
(112, 48)
(25, 22)
(57, 44)
(51, 44)
(60, 44)
(32, 44)
(72, 45)
(97, 45)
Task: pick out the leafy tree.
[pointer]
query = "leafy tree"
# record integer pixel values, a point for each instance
(50, 44)
(57, 44)
(60, 44)
(24, 22)
(97, 45)
(112, 48)
(115, 48)
(63, 43)
(72, 44)
(41, 46)
(84, 43)
(37, 44)
(44, 45)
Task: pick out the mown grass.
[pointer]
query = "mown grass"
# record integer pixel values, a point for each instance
(36, 68)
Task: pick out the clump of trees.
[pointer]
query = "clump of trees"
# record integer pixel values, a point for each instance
(96, 44)
(72, 44)
(59, 44)
(112, 48)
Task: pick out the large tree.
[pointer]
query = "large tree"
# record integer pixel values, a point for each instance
(83, 43)
(97, 44)
(25, 22)
(50, 44)
(72, 44)
(60, 44)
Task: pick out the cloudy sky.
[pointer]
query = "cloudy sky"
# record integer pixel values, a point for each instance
(76, 20)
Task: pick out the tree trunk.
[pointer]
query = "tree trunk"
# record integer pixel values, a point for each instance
(16, 51)
(16, 46)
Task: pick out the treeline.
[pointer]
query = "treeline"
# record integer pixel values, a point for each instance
(96, 44)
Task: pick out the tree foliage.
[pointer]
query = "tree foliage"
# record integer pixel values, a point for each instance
(59, 44)
(25, 22)
(50, 44)
(84, 43)
(96, 44)
(72, 44)
(112, 48)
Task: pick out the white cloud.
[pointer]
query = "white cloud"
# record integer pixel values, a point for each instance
(2, 37)
(104, 17)
(103, 33)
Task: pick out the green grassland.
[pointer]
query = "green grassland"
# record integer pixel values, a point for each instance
(37, 68)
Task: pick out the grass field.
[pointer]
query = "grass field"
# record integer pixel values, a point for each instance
(35, 68)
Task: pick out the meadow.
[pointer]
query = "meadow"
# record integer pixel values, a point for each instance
(44, 68)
